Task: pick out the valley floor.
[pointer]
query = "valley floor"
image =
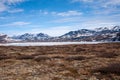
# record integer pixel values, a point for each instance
(63, 62)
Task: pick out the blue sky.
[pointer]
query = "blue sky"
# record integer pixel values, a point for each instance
(56, 17)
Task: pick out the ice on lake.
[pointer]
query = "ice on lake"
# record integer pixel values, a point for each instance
(45, 43)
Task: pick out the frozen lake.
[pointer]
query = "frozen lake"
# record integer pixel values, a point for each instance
(46, 43)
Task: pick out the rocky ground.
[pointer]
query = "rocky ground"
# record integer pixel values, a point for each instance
(68, 62)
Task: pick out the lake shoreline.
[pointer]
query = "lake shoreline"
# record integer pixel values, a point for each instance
(48, 43)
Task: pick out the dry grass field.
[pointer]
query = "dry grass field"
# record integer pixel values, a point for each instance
(65, 62)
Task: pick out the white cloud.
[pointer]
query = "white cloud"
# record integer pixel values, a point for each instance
(102, 3)
(91, 22)
(108, 11)
(64, 20)
(15, 10)
(69, 13)
(63, 14)
(82, 1)
(12, 2)
(98, 23)
(5, 5)
(2, 17)
(43, 12)
(20, 23)
(101, 6)
(111, 3)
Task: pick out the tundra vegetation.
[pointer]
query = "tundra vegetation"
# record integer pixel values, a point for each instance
(63, 62)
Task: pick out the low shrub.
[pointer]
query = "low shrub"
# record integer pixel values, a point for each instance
(75, 58)
(3, 56)
(107, 55)
(41, 57)
(113, 68)
(37, 54)
(58, 57)
(24, 57)
(78, 49)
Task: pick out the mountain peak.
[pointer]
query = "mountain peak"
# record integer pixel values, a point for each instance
(117, 28)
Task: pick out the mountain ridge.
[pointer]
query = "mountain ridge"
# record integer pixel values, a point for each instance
(97, 34)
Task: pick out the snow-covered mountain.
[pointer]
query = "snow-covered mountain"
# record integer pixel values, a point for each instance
(32, 37)
(79, 33)
(98, 34)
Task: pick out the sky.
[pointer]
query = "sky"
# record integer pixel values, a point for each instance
(56, 17)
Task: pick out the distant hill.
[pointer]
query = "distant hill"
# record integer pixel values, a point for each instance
(4, 38)
(98, 34)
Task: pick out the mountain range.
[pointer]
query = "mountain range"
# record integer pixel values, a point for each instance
(97, 34)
